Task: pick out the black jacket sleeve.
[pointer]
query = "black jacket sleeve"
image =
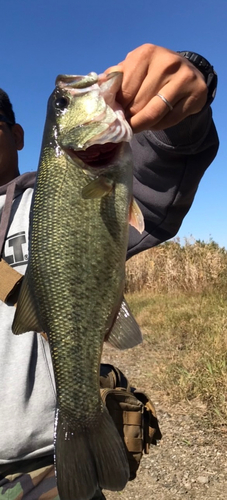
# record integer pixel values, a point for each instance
(168, 166)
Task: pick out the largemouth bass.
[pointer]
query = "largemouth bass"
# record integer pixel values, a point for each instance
(73, 286)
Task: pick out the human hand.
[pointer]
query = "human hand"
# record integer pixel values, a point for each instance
(150, 70)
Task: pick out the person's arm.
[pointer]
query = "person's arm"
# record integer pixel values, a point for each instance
(171, 147)
(168, 166)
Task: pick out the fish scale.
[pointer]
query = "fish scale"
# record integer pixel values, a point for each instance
(80, 305)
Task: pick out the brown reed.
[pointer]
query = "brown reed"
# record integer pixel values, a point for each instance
(194, 266)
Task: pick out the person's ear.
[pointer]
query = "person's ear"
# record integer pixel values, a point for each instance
(18, 134)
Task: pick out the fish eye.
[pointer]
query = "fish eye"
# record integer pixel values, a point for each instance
(61, 103)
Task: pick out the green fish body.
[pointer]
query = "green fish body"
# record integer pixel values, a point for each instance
(73, 287)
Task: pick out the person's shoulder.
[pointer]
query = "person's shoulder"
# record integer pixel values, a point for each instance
(26, 180)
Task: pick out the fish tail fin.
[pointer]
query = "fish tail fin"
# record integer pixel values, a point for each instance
(86, 459)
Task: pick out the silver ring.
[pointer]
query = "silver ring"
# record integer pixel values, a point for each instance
(165, 101)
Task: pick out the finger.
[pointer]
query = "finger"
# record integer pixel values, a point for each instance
(181, 111)
(184, 103)
(144, 92)
(149, 116)
(183, 106)
(111, 69)
(156, 116)
(134, 76)
(143, 74)
(123, 96)
(133, 81)
(154, 110)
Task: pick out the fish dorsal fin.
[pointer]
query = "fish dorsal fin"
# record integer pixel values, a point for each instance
(125, 332)
(25, 319)
(136, 217)
(99, 187)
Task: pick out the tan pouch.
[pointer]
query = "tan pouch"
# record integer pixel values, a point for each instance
(10, 281)
(132, 412)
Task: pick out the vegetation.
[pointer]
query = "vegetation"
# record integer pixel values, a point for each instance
(178, 294)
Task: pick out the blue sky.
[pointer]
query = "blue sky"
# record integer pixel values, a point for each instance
(40, 39)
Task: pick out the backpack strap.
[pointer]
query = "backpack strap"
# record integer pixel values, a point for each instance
(10, 281)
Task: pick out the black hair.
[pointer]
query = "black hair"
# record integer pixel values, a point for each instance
(6, 107)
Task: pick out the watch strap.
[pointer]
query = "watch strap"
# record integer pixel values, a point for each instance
(207, 71)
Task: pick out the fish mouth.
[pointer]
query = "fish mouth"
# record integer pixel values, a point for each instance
(97, 155)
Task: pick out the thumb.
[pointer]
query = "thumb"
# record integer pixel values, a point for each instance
(111, 69)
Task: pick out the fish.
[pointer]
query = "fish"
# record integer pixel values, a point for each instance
(74, 282)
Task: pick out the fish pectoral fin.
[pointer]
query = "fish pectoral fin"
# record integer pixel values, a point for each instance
(99, 187)
(136, 217)
(89, 456)
(25, 319)
(125, 332)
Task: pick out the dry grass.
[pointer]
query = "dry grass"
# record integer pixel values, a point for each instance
(179, 297)
(195, 266)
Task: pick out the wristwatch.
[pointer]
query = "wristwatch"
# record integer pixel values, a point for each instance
(207, 71)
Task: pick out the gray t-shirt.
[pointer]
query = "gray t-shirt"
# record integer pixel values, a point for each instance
(27, 392)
